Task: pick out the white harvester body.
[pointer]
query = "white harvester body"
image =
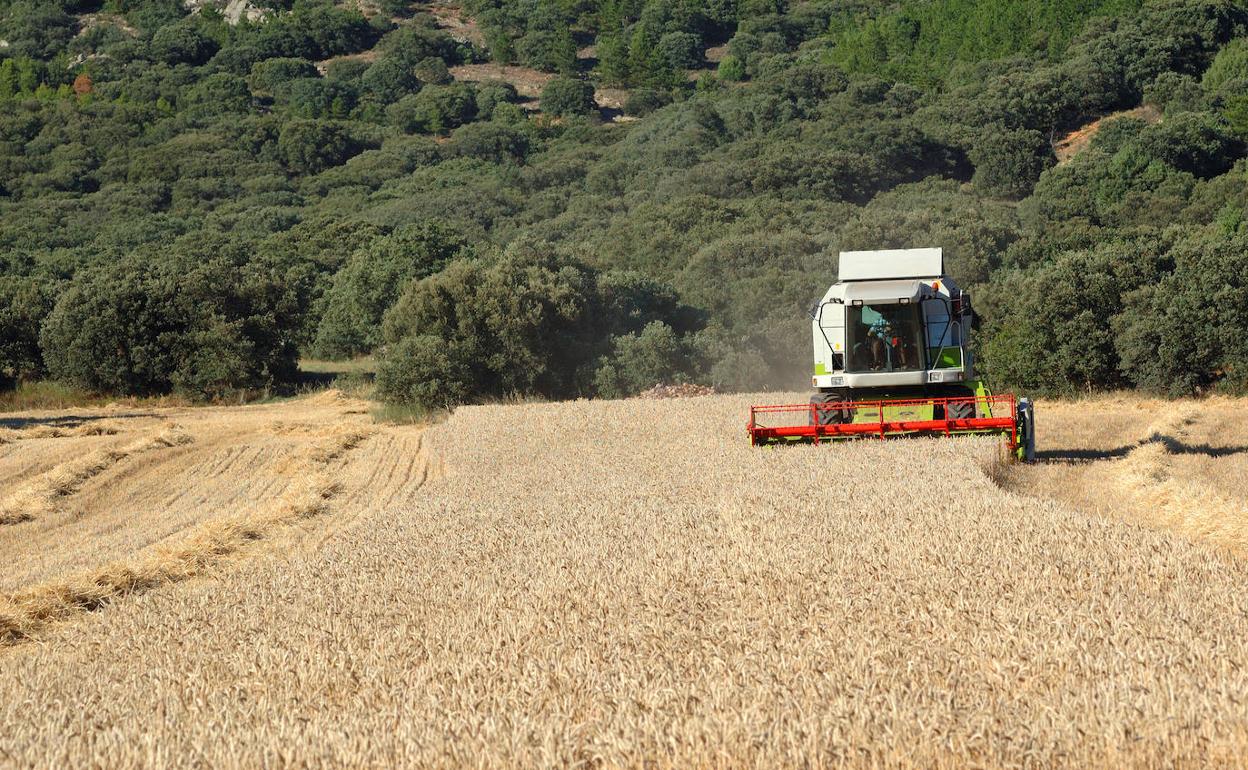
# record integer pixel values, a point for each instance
(893, 319)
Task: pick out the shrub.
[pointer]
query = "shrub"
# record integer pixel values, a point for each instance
(433, 71)
(388, 80)
(491, 95)
(527, 323)
(182, 44)
(311, 146)
(568, 96)
(317, 98)
(731, 68)
(1229, 66)
(1009, 162)
(425, 372)
(1188, 332)
(267, 75)
(490, 141)
(548, 50)
(371, 281)
(24, 303)
(683, 50)
(643, 101)
(436, 109)
(192, 321)
(638, 361)
(218, 94)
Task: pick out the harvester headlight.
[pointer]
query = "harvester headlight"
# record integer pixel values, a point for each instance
(857, 303)
(935, 376)
(904, 301)
(837, 382)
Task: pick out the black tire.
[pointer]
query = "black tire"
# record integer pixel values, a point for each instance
(961, 410)
(957, 410)
(829, 416)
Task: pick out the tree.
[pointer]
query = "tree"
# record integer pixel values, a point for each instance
(564, 97)
(433, 71)
(200, 320)
(1009, 162)
(217, 94)
(436, 109)
(266, 76)
(182, 44)
(372, 279)
(1230, 66)
(731, 68)
(683, 50)
(311, 146)
(388, 80)
(1188, 332)
(424, 371)
(1236, 114)
(550, 50)
(637, 361)
(24, 303)
(528, 322)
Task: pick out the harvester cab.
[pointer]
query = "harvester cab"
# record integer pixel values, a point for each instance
(892, 357)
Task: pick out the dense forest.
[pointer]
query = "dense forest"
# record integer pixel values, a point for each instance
(195, 195)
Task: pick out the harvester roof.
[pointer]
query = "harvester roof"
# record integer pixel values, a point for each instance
(891, 264)
(884, 291)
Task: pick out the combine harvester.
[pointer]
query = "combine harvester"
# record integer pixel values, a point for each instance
(892, 358)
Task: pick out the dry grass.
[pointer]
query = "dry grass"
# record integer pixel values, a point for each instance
(629, 584)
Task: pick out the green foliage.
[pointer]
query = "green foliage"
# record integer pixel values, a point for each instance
(922, 40)
(637, 361)
(423, 371)
(1185, 333)
(197, 321)
(1229, 68)
(1236, 115)
(683, 50)
(388, 80)
(828, 126)
(526, 323)
(371, 281)
(643, 101)
(182, 44)
(433, 71)
(24, 303)
(1008, 162)
(217, 94)
(568, 96)
(731, 68)
(435, 110)
(311, 146)
(266, 76)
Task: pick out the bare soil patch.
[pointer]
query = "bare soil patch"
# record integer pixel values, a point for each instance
(1075, 142)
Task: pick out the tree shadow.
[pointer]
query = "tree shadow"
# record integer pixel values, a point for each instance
(1172, 445)
(67, 421)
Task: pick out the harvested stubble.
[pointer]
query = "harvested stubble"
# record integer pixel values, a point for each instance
(42, 494)
(1182, 465)
(630, 584)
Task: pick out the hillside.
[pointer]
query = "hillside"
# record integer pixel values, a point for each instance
(190, 199)
(520, 587)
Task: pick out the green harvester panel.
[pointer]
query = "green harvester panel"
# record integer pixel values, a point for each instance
(895, 413)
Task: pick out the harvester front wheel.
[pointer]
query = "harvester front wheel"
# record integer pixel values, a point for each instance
(828, 416)
(957, 410)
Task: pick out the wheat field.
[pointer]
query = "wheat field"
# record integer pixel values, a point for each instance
(618, 584)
